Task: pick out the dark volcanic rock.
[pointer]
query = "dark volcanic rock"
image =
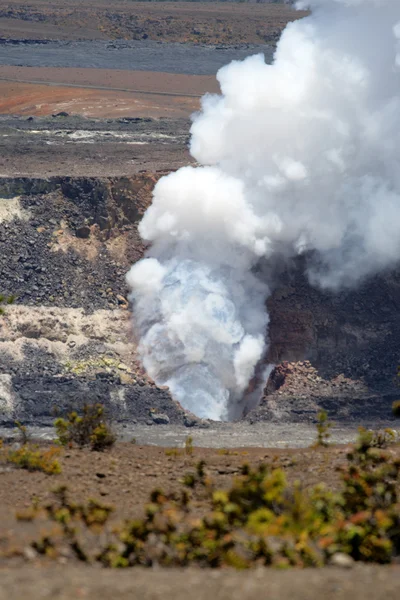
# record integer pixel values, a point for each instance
(39, 399)
(160, 418)
(42, 264)
(352, 338)
(83, 232)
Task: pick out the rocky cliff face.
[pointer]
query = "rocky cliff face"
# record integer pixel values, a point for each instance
(354, 332)
(68, 241)
(351, 338)
(65, 246)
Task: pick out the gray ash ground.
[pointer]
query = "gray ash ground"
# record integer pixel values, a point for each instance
(132, 55)
(76, 146)
(125, 128)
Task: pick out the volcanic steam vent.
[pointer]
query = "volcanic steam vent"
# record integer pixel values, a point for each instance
(301, 156)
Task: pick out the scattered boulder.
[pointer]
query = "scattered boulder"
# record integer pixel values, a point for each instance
(160, 418)
(83, 232)
(342, 560)
(190, 420)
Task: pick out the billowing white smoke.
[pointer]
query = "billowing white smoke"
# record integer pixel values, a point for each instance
(299, 156)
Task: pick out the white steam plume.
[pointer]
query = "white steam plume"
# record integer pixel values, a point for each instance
(299, 156)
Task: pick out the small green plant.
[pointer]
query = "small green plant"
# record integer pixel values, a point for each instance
(384, 438)
(173, 452)
(189, 445)
(5, 300)
(33, 458)
(23, 433)
(226, 452)
(72, 517)
(89, 429)
(198, 477)
(323, 427)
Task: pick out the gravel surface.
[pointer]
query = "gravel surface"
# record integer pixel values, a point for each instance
(359, 583)
(42, 147)
(222, 435)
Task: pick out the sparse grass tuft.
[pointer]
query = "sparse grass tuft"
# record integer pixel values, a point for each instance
(173, 452)
(226, 452)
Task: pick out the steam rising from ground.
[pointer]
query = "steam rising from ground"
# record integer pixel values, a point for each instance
(299, 156)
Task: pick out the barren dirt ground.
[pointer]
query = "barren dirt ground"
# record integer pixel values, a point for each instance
(58, 583)
(101, 93)
(124, 477)
(362, 583)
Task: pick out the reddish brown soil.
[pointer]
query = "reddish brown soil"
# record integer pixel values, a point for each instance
(41, 99)
(147, 94)
(168, 21)
(113, 79)
(125, 476)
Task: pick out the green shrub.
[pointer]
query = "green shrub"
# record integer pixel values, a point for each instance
(173, 452)
(258, 520)
(69, 516)
(89, 429)
(323, 427)
(33, 458)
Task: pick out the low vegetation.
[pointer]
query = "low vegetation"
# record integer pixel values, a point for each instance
(4, 300)
(259, 519)
(323, 429)
(33, 458)
(29, 456)
(90, 429)
(186, 450)
(23, 433)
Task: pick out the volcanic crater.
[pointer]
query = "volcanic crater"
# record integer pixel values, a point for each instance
(80, 152)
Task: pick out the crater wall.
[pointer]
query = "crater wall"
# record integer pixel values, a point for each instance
(65, 246)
